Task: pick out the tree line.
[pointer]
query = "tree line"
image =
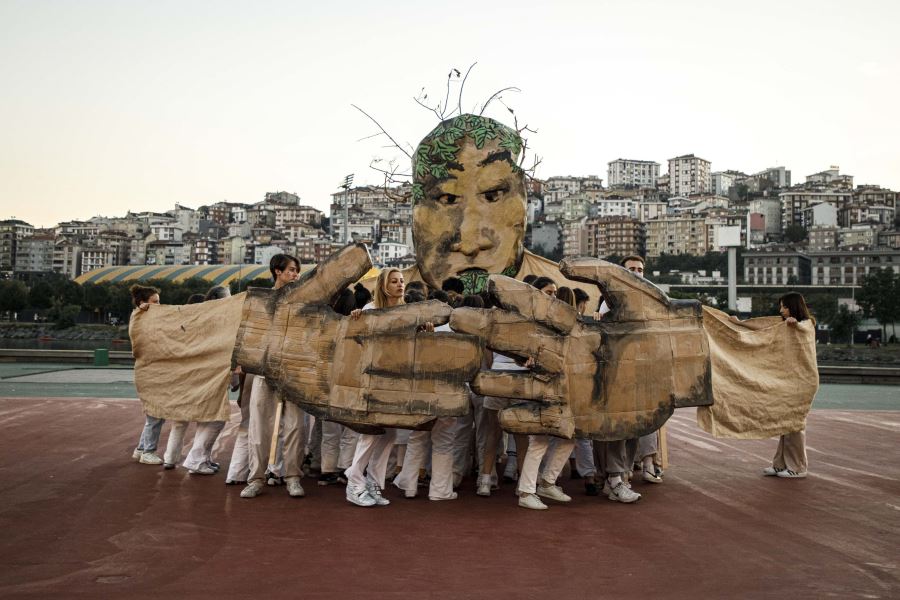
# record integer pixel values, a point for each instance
(64, 302)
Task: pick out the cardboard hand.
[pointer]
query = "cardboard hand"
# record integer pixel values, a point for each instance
(377, 370)
(614, 379)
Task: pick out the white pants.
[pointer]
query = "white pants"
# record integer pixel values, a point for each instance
(371, 459)
(239, 468)
(442, 437)
(537, 447)
(175, 443)
(461, 439)
(201, 448)
(338, 446)
(584, 458)
(262, 424)
(648, 445)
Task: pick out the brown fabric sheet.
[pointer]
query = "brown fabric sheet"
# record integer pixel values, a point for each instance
(764, 376)
(182, 354)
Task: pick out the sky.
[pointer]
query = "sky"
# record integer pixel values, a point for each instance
(123, 105)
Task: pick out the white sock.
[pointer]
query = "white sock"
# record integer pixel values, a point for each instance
(615, 480)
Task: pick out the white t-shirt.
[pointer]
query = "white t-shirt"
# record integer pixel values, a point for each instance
(604, 308)
(505, 363)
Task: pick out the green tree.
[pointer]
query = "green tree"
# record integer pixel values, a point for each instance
(824, 307)
(68, 292)
(64, 315)
(879, 297)
(795, 233)
(96, 299)
(555, 254)
(120, 305)
(13, 295)
(41, 294)
(844, 324)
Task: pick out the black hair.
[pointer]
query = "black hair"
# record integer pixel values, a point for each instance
(542, 282)
(217, 293)
(345, 303)
(453, 284)
(196, 299)
(529, 279)
(279, 262)
(417, 285)
(439, 295)
(566, 295)
(141, 293)
(361, 295)
(796, 305)
(473, 301)
(413, 296)
(580, 295)
(633, 257)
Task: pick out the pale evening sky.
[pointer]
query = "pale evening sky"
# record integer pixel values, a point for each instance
(118, 105)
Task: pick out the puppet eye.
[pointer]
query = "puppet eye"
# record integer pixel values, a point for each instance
(495, 194)
(447, 199)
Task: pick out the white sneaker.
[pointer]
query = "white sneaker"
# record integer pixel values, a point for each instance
(252, 490)
(622, 493)
(771, 471)
(554, 492)
(408, 494)
(202, 470)
(483, 487)
(359, 496)
(655, 477)
(531, 501)
(788, 474)
(150, 458)
(375, 493)
(136, 455)
(452, 496)
(294, 489)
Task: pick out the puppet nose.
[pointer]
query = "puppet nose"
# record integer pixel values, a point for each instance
(473, 233)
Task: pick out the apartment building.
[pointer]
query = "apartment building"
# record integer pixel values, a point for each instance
(682, 234)
(822, 237)
(859, 213)
(776, 266)
(35, 253)
(795, 200)
(689, 175)
(624, 172)
(12, 231)
(615, 235)
(95, 257)
(848, 266)
(67, 258)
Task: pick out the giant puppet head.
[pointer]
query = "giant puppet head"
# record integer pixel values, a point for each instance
(469, 194)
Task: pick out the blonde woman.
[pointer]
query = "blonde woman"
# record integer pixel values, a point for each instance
(365, 477)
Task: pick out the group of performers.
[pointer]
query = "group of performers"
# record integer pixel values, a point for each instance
(438, 459)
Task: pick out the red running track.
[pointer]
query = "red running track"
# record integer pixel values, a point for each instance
(82, 520)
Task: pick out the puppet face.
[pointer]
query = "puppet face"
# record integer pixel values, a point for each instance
(470, 221)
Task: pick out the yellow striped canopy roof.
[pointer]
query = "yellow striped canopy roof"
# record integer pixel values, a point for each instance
(215, 274)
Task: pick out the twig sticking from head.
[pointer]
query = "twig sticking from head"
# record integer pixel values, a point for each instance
(462, 86)
(371, 118)
(495, 95)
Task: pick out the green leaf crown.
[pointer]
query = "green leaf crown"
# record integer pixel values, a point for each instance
(437, 152)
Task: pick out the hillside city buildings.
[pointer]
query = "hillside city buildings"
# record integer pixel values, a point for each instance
(824, 231)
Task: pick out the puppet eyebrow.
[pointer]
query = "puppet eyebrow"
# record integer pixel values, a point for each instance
(495, 156)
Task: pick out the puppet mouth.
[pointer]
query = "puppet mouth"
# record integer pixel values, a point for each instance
(474, 280)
